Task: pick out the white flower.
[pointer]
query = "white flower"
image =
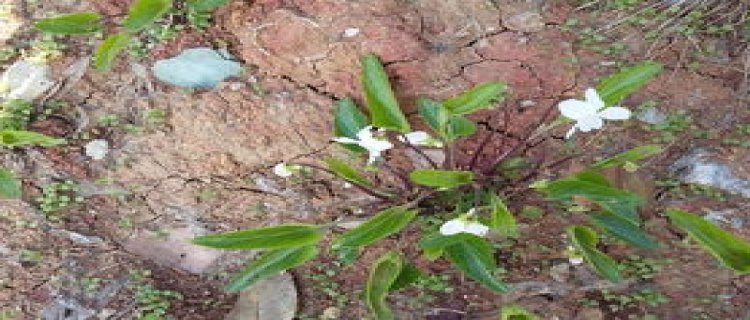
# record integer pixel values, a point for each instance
(464, 224)
(365, 139)
(97, 149)
(420, 138)
(589, 114)
(285, 170)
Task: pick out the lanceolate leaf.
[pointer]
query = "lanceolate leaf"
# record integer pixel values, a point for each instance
(144, 12)
(346, 172)
(9, 186)
(408, 275)
(732, 251)
(108, 50)
(478, 97)
(620, 202)
(502, 219)
(632, 155)
(584, 240)
(271, 263)
(282, 236)
(15, 138)
(434, 114)
(348, 121)
(614, 88)
(385, 223)
(206, 5)
(516, 312)
(624, 230)
(444, 179)
(459, 127)
(74, 23)
(434, 244)
(383, 274)
(474, 257)
(381, 101)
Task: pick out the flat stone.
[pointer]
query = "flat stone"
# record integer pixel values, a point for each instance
(173, 249)
(702, 167)
(273, 298)
(196, 68)
(25, 80)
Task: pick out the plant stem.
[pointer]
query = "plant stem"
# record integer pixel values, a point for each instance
(361, 187)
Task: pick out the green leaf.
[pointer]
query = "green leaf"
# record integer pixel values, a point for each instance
(282, 236)
(15, 138)
(206, 5)
(632, 155)
(70, 24)
(109, 49)
(271, 263)
(593, 177)
(516, 312)
(348, 121)
(479, 97)
(459, 127)
(616, 87)
(434, 114)
(444, 179)
(408, 275)
(731, 250)
(385, 223)
(434, 244)
(474, 257)
(502, 219)
(381, 101)
(383, 274)
(624, 229)
(346, 172)
(145, 12)
(448, 127)
(584, 240)
(620, 202)
(9, 186)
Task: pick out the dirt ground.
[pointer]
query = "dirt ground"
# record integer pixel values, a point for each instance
(205, 166)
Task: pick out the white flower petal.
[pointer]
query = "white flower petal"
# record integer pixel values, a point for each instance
(365, 133)
(452, 227)
(282, 170)
(589, 123)
(593, 98)
(615, 113)
(576, 109)
(345, 140)
(476, 228)
(416, 138)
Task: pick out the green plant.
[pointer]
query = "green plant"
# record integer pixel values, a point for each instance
(642, 268)
(58, 196)
(137, 29)
(15, 114)
(324, 280)
(470, 190)
(152, 303)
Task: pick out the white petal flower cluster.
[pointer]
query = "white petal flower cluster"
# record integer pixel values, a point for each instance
(374, 145)
(285, 170)
(464, 224)
(591, 113)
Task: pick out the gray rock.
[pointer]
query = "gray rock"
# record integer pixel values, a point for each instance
(699, 166)
(652, 116)
(66, 309)
(26, 80)
(196, 68)
(274, 298)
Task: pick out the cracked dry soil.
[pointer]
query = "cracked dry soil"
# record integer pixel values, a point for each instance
(206, 168)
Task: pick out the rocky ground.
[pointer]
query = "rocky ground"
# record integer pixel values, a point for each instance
(203, 164)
